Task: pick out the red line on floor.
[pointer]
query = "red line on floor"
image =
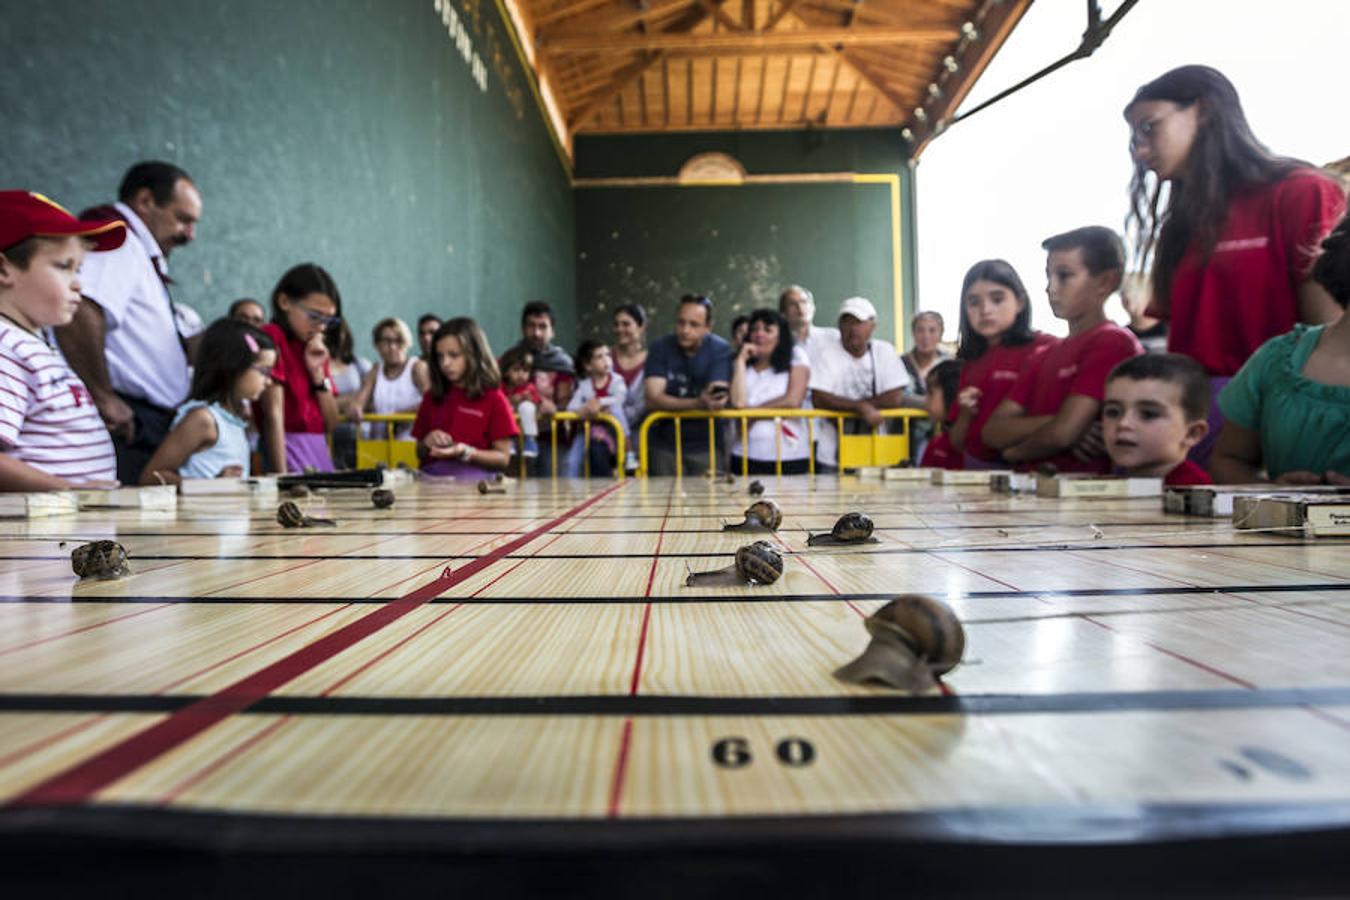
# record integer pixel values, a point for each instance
(823, 580)
(79, 783)
(620, 769)
(65, 634)
(625, 740)
(1179, 656)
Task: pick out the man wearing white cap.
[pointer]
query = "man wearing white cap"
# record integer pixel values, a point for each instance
(854, 373)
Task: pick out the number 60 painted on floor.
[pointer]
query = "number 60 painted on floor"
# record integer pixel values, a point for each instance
(734, 752)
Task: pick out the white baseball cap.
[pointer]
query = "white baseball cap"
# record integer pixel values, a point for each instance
(859, 308)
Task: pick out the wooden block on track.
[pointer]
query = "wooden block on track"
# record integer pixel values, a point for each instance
(157, 497)
(38, 505)
(1063, 486)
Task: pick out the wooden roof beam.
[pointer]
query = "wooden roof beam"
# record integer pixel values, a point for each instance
(611, 22)
(746, 42)
(603, 97)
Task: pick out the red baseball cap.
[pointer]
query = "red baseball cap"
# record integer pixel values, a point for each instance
(24, 214)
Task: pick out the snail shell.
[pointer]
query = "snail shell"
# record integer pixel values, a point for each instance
(852, 528)
(298, 490)
(485, 488)
(756, 488)
(290, 516)
(757, 563)
(100, 559)
(914, 639)
(762, 515)
(383, 498)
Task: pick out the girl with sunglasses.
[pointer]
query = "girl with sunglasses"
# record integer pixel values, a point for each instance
(298, 410)
(208, 438)
(1233, 242)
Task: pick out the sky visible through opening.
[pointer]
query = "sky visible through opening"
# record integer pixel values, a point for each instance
(1055, 155)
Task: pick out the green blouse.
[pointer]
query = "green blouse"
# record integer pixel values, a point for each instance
(1304, 424)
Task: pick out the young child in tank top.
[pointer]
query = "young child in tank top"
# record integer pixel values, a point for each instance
(208, 438)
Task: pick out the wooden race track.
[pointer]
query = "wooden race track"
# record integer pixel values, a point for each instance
(525, 677)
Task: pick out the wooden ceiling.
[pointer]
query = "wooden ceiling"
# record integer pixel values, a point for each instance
(644, 66)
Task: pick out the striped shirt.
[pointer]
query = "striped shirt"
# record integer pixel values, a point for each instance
(47, 417)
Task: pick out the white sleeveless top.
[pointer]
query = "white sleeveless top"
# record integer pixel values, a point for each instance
(396, 395)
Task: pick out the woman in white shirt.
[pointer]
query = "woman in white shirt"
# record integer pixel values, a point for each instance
(769, 371)
(397, 384)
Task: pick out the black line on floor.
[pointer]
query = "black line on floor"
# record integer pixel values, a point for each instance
(758, 597)
(669, 705)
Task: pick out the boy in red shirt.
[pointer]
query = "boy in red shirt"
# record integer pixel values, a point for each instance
(1155, 410)
(1058, 397)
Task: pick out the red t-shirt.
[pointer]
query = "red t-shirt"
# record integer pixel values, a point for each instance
(522, 392)
(1224, 308)
(302, 415)
(1075, 365)
(940, 454)
(476, 422)
(1187, 473)
(994, 374)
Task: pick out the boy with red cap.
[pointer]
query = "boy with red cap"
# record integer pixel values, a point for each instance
(51, 435)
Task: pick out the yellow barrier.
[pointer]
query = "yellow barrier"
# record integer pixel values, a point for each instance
(855, 450)
(391, 451)
(620, 444)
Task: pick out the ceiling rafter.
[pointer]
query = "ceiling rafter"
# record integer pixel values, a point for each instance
(742, 41)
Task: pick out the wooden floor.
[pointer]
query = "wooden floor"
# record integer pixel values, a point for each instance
(535, 657)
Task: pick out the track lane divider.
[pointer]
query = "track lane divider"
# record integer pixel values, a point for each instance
(79, 783)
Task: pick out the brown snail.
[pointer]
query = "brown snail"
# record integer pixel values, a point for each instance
(756, 488)
(762, 515)
(101, 559)
(485, 488)
(298, 490)
(757, 563)
(290, 516)
(382, 498)
(915, 638)
(852, 528)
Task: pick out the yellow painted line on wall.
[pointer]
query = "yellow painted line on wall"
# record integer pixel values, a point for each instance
(531, 76)
(897, 261)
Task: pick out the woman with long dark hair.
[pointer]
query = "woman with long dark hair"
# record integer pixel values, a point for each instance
(771, 370)
(1233, 238)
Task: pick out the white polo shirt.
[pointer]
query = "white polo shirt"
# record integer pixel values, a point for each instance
(836, 371)
(145, 358)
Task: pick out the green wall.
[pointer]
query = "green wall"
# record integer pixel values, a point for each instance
(740, 245)
(348, 132)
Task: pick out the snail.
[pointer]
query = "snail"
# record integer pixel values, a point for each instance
(762, 515)
(383, 498)
(485, 488)
(101, 559)
(757, 563)
(756, 488)
(852, 528)
(289, 515)
(914, 639)
(1047, 470)
(298, 491)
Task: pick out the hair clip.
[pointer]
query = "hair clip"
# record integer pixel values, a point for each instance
(251, 343)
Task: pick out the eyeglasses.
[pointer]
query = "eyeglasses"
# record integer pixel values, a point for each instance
(397, 341)
(1142, 134)
(264, 371)
(319, 318)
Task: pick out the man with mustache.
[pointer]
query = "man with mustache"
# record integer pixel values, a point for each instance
(124, 341)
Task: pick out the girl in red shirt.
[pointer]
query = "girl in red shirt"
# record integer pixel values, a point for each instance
(1233, 247)
(297, 411)
(996, 342)
(465, 425)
